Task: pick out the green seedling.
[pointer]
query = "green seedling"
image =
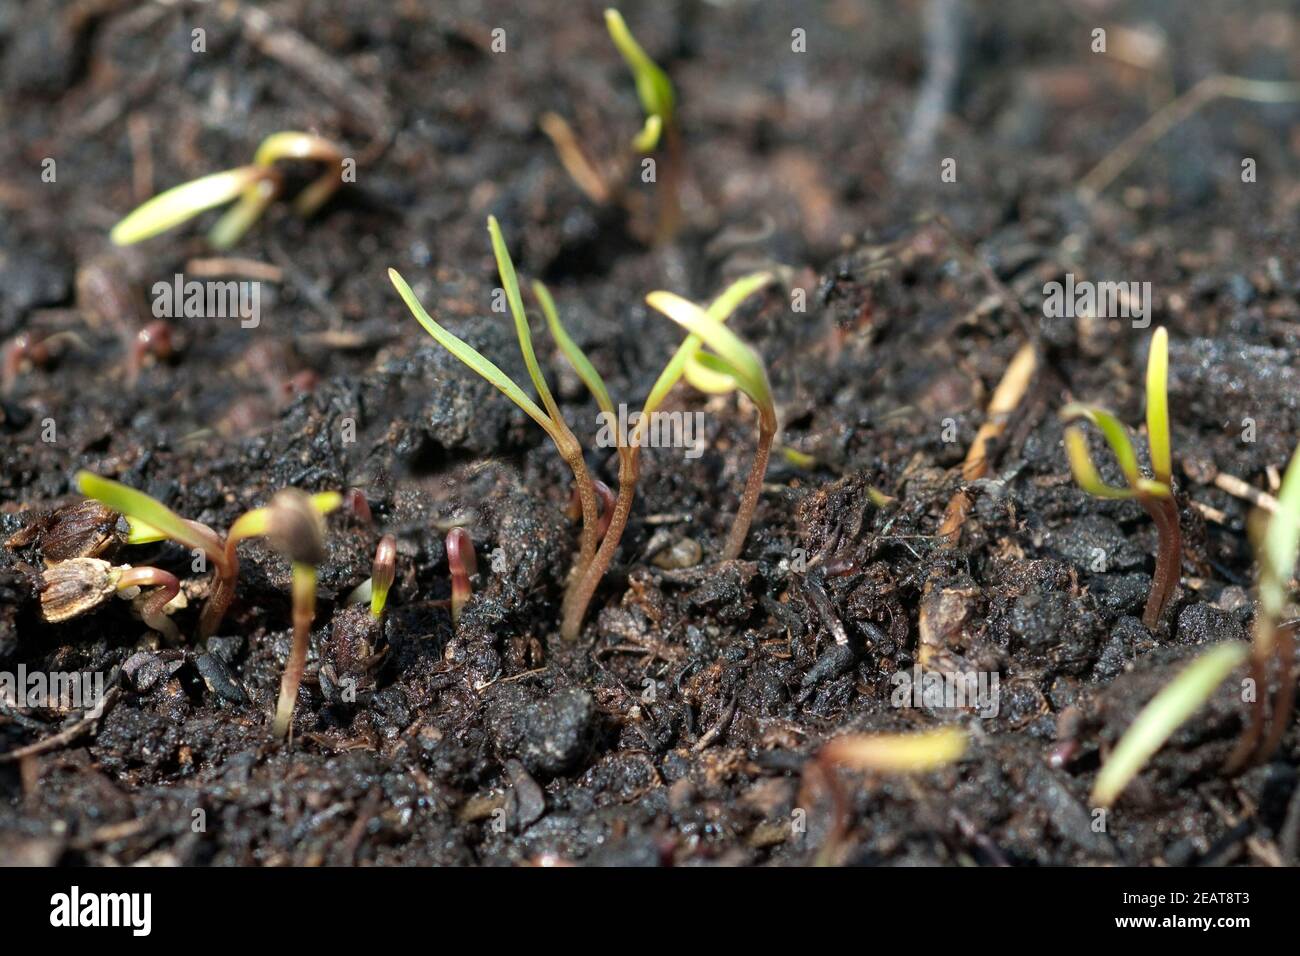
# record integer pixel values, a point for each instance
(293, 522)
(659, 103)
(252, 188)
(659, 129)
(463, 564)
(877, 754)
(550, 419)
(731, 365)
(1156, 494)
(150, 520)
(1166, 712)
(629, 452)
(1274, 641)
(653, 87)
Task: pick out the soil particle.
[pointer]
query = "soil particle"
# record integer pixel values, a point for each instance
(548, 736)
(1205, 624)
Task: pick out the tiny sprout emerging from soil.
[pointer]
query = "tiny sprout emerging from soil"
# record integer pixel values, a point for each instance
(293, 522)
(356, 503)
(896, 753)
(28, 350)
(653, 87)
(905, 753)
(150, 520)
(255, 187)
(464, 565)
(382, 573)
(1154, 494)
(1166, 712)
(79, 585)
(154, 341)
(659, 103)
(1273, 640)
(730, 366)
(550, 419)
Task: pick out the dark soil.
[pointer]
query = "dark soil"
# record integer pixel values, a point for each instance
(677, 729)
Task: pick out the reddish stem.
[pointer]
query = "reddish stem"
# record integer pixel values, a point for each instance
(753, 488)
(1169, 556)
(463, 563)
(151, 606)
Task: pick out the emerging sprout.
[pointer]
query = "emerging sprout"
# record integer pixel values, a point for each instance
(32, 350)
(381, 575)
(906, 753)
(464, 565)
(1156, 495)
(293, 523)
(658, 101)
(152, 604)
(896, 753)
(255, 187)
(77, 586)
(1166, 712)
(652, 85)
(155, 342)
(356, 503)
(731, 365)
(550, 419)
(151, 520)
(1273, 640)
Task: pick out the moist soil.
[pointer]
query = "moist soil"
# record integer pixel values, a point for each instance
(679, 727)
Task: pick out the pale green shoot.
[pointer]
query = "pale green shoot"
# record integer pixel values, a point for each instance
(149, 518)
(176, 205)
(1166, 712)
(653, 87)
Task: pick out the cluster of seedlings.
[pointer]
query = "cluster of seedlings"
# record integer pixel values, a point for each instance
(1273, 640)
(713, 360)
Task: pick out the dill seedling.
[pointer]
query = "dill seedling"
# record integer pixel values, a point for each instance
(1155, 494)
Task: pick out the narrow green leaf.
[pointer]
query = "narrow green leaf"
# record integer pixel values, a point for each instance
(730, 298)
(646, 140)
(240, 217)
(139, 532)
(1085, 472)
(653, 87)
(710, 374)
(176, 205)
(1158, 406)
(471, 357)
(511, 282)
(746, 366)
(721, 309)
(1281, 541)
(1166, 712)
(1116, 435)
(577, 358)
(140, 507)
